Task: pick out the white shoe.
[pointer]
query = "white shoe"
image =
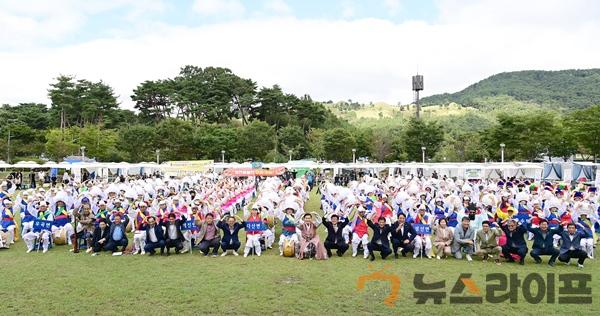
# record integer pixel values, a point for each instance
(29, 250)
(94, 254)
(143, 253)
(428, 257)
(354, 254)
(580, 266)
(45, 250)
(366, 256)
(245, 255)
(469, 258)
(415, 255)
(134, 253)
(235, 253)
(185, 250)
(280, 254)
(117, 253)
(224, 254)
(89, 250)
(258, 254)
(438, 257)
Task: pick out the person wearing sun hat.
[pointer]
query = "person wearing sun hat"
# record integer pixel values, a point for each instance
(288, 225)
(7, 223)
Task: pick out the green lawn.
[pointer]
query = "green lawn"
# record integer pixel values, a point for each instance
(60, 282)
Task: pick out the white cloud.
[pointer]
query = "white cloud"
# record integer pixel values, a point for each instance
(278, 7)
(34, 23)
(219, 7)
(392, 5)
(360, 59)
(348, 10)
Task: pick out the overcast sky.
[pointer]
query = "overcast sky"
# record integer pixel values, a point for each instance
(333, 50)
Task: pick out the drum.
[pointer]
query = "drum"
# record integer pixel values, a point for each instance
(289, 248)
(60, 236)
(270, 221)
(17, 233)
(3, 239)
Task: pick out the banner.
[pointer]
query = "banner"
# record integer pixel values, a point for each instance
(39, 225)
(255, 226)
(189, 225)
(422, 229)
(182, 167)
(473, 173)
(250, 172)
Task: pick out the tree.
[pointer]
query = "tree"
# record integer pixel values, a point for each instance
(271, 107)
(256, 140)
(211, 139)
(291, 138)
(212, 94)
(60, 143)
(138, 142)
(77, 103)
(338, 144)
(383, 143)
(315, 139)
(525, 136)
(584, 125)
(422, 134)
(174, 138)
(363, 139)
(153, 100)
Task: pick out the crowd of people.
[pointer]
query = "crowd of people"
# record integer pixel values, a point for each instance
(399, 215)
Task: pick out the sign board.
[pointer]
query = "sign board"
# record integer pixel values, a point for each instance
(473, 173)
(185, 167)
(250, 172)
(422, 229)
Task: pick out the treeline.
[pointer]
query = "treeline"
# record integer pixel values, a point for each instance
(201, 112)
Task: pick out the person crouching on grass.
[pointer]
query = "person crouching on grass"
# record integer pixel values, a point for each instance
(231, 240)
(173, 235)
(487, 240)
(571, 245)
(380, 241)
(515, 241)
(310, 245)
(209, 236)
(117, 236)
(155, 237)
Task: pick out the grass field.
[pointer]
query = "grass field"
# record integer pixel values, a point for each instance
(62, 283)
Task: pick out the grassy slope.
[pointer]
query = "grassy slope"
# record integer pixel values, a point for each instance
(60, 282)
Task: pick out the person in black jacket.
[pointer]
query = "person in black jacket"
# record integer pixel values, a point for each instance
(334, 239)
(403, 235)
(543, 239)
(154, 237)
(173, 235)
(379, 241)
(515, 241)
(231, 240)
(100, 239)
